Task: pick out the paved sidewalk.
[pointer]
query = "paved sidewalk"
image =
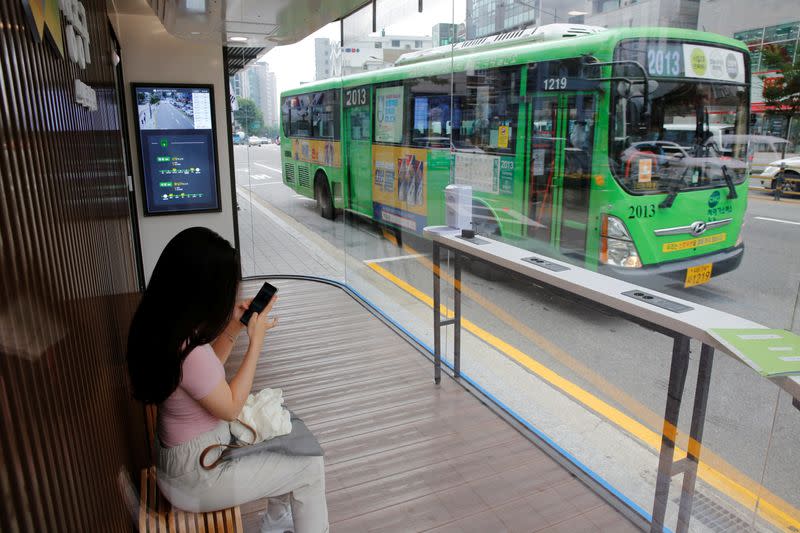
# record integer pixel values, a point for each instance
(270, 245)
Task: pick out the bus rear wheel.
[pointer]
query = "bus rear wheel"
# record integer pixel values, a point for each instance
(322, 194)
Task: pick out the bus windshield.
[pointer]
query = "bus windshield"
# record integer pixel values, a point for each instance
(679, 146)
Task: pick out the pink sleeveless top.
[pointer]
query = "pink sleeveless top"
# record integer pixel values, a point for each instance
(180, 417)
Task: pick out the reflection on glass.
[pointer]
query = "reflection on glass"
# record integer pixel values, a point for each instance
(608, 174)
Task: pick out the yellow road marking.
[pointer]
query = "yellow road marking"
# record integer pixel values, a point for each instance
(771, 506)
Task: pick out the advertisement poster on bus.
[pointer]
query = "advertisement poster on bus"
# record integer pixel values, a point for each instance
(324, 153)
(399, 184)
(389, 114)
(485, 173)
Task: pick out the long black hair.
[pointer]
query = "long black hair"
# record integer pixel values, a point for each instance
(188, 303)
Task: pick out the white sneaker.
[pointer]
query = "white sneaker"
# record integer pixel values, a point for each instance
(278, 518)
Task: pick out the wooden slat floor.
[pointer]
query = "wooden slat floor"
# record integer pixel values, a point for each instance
(401, 453)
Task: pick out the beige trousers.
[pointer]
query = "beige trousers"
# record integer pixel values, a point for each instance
(261, 475)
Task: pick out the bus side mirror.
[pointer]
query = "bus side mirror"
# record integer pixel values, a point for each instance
(637, 103)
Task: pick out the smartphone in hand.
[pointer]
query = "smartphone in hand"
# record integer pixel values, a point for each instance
(262, 299)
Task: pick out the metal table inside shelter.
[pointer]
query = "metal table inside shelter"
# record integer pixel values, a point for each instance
(680, 319)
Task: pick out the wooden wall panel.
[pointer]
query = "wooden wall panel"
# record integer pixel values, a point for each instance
(68, 425)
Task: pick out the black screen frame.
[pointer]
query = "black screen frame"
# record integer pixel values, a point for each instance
(146, 210)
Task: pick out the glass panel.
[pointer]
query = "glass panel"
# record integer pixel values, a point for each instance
(600, 175)
(289, 166)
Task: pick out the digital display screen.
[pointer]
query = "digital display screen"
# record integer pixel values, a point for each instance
(665, 59)
(177, 148)
(669, 59)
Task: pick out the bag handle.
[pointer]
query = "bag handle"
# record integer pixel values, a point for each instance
(225, 447)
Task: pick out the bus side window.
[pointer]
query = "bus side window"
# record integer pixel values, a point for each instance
(324, 115)
(485, 109)
(286, 107)
(430, 116)
(300, 116)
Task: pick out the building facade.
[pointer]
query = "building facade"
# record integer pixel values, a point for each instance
(324, 59)
(629, 13)
(444, 33)
(270, 107)
(767, 23)
(489, 17)
(257, 83)
(375, 53)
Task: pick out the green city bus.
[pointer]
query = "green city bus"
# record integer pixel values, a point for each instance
(567, 135)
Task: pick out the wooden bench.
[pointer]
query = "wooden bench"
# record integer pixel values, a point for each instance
(156, 515)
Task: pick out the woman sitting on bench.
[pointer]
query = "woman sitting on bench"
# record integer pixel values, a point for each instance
(181, 335)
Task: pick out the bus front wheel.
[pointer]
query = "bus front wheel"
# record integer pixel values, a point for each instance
(322, 194)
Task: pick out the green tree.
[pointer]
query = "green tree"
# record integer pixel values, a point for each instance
(154, 100)
(782, 92)
(249, 116)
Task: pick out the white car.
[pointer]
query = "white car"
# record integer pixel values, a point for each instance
(791, 174)
(255, 141)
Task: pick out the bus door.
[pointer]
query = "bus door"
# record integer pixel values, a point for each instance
(358, 142)
(560, 165)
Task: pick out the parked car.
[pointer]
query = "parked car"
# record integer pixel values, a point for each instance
(684, 134)
(764, 149)
(791, 174)
(255, 141)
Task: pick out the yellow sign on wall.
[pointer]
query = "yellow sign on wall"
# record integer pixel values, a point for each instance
(44, 17)
(502, 137)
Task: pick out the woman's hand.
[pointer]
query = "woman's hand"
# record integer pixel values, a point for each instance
(260, 323)
(235, 325)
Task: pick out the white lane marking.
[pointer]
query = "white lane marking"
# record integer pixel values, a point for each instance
(303, 197)
(393, 258)
(266, 166)
(261, 184)
(778, 220)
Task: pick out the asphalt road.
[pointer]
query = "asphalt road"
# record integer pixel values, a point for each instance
(622, 363)
(167, 117)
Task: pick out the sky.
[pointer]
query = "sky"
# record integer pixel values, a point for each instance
(294, 63)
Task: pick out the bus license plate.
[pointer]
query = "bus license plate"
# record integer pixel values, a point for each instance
(697, 275)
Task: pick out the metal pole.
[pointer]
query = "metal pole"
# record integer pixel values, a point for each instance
(437, 335)
(457, 316)
(696, 437)
(677, 379)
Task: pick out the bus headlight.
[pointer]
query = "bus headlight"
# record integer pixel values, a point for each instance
(616, 245)
(740, 238)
